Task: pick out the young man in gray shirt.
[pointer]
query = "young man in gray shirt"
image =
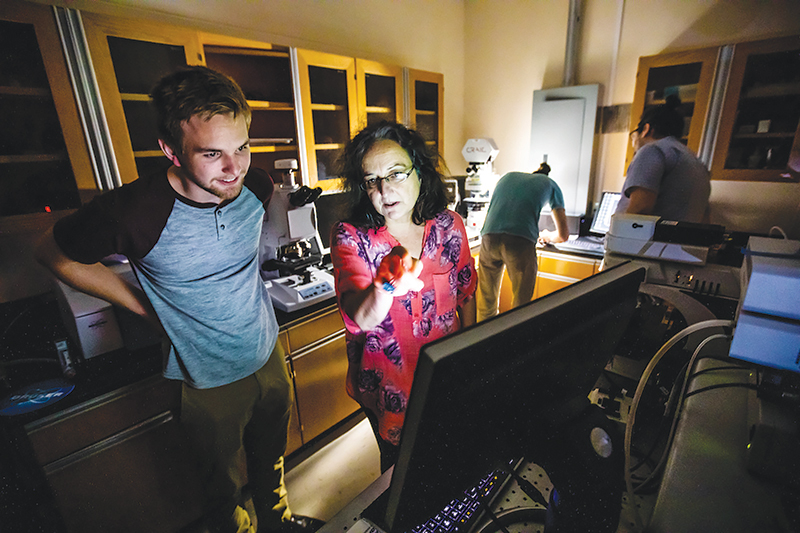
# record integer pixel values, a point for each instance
(191, 236)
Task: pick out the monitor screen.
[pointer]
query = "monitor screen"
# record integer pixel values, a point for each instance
(482, 395)
(602, 217)
(331, 208)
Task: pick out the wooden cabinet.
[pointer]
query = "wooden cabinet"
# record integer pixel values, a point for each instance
(319, 364)
(44, 160)
(379, 89)
(689, 75)
(294, 438)
(327, 87)
(426, 105)
(264, 72)
(558, 270)
(753, 131)
(119, 462)
(132, 57)
(339, 96)
(759, 129)
(129, 57)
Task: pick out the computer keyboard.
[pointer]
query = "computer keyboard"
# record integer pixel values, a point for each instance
(459, 513)
(457, 516)
(581, 244)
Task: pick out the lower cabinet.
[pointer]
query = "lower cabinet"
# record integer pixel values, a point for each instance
(558, 270)
(318, 356)
(119, 462)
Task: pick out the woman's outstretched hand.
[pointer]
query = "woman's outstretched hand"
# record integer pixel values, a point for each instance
(399, 273)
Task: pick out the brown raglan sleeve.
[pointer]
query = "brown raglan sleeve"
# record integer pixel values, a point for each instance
(126, 221)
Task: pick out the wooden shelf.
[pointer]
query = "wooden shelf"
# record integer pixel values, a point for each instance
(772, 91)
(270, 142)
(261, 105)
(24, 91)
(32, 158)
(134, 97)
(328, 107)
(329, 146)
(771, 135)
(270, 149)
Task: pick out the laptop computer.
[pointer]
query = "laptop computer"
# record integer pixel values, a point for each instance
(593, 243)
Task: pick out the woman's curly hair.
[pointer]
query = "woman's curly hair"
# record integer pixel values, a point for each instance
(432, 197)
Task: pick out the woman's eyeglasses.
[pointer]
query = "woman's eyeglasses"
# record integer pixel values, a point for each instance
(395, 178)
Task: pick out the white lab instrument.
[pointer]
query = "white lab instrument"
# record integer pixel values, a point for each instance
(290, 251)
(480, 181)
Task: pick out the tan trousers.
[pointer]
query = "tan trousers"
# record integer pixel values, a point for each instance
(515, 254)
(245, 422)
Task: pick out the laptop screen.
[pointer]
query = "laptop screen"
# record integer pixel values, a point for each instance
(602, 217)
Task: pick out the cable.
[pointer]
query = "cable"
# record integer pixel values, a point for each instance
(492, 516)
(638, 395)
(722, 386)
(676, 414)
(777, 229)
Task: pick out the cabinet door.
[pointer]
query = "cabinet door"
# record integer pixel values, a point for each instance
(129, 58)
(557, 270)
(758, 136)
(689, 75)
(320, 373)
(327, 89)
(426, 98)
(380, 92)
(44, 161)
(264, 73)
(120, 462)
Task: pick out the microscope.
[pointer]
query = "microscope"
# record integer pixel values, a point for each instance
(480, 181)
(290, 255)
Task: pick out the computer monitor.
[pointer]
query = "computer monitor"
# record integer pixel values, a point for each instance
(601, 221)
(482, 396)
(331, 208)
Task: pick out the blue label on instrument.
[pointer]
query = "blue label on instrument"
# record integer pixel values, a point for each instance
(34, 396)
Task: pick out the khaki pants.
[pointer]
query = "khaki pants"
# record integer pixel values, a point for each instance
(243, 423)
(515, 254)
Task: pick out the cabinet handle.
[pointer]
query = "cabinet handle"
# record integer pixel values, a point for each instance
(103, 445)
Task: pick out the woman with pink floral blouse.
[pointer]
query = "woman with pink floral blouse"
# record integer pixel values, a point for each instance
(403, 270)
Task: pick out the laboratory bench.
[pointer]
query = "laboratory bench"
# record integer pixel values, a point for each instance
(106, 452)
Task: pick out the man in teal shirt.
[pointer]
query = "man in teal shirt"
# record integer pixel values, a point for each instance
(510, 233)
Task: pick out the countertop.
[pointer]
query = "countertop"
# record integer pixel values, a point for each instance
(28, 329)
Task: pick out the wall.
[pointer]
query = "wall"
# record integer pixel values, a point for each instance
(516, 47)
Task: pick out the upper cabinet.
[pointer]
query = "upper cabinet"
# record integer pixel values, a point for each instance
(306, 105)
(44, 159)
(752, 131)
(426, 105)
(758, 137)
(380, 92)
(688, 75)
(129, 58)
(326, 85)
(264, 72)
(339, 96)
